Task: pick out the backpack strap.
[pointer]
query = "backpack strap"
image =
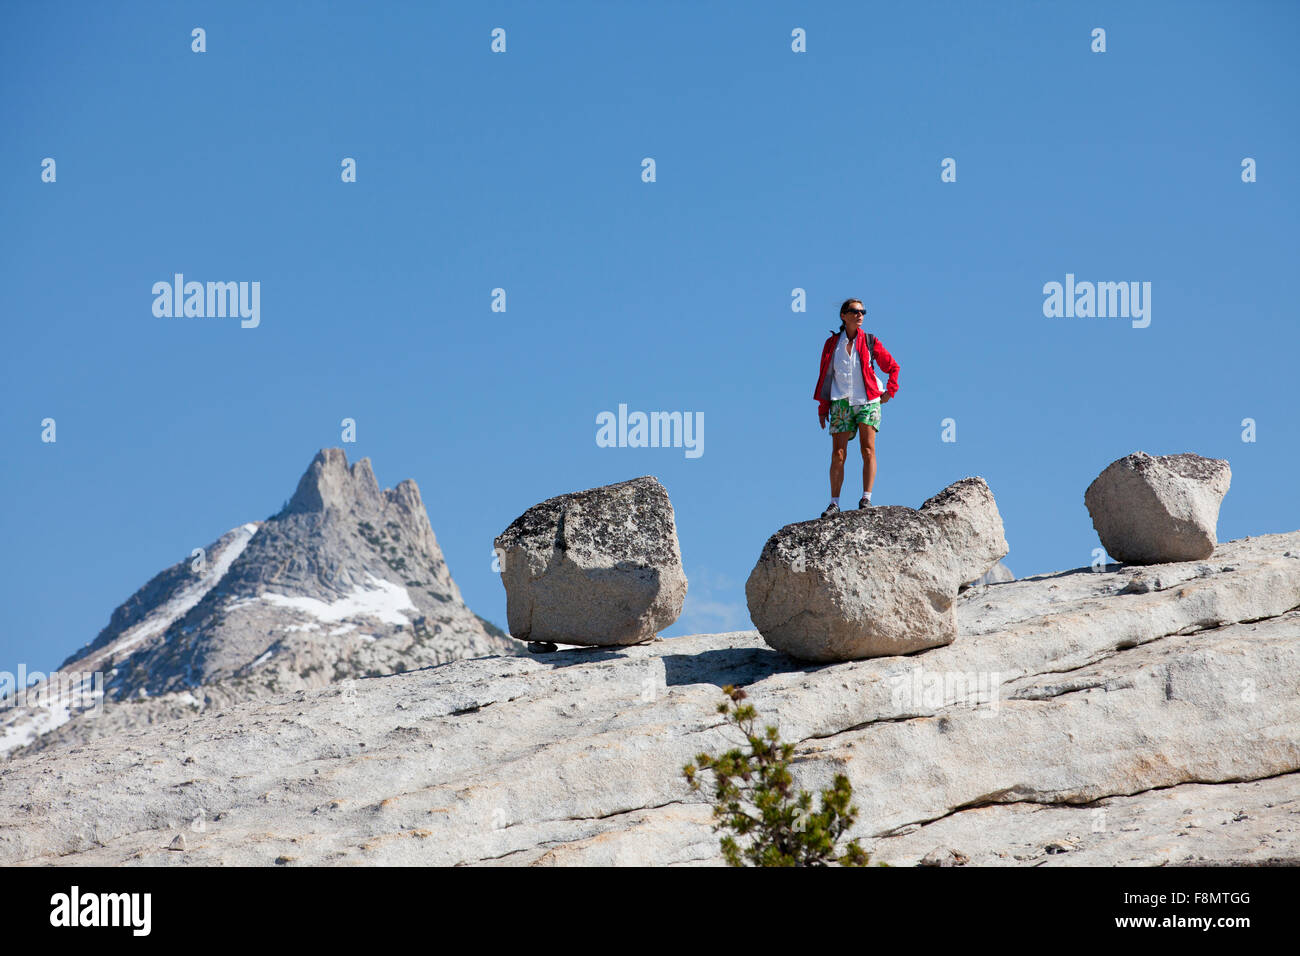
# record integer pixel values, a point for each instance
(871, 352)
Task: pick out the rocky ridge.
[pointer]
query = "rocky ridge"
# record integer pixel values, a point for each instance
(1120, 716)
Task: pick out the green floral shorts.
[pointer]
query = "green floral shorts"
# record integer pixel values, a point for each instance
(847, 418)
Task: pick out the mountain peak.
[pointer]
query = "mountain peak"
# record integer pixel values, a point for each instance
(330, 484)
(346, 581)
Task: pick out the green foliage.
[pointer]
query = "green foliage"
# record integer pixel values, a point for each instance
(754, 798)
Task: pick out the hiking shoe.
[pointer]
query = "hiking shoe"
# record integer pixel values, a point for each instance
(864, 502)
(831, 509)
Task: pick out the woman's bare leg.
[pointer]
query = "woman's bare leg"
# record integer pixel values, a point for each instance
(867, 440)
(839, 454)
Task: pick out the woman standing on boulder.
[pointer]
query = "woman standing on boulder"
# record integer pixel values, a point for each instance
(851, 398)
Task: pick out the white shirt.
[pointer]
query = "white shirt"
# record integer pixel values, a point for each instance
(847, 382)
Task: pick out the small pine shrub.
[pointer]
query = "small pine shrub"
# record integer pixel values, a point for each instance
(754, 798)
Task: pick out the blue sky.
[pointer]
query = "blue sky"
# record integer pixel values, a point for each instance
(775, 171)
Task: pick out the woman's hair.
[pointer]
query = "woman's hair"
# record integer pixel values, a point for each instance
(844, 305)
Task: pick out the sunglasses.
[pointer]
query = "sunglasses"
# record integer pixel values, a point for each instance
(854, 312)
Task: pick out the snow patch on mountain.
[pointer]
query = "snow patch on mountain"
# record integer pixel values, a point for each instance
(385, 601)
(163, 617)
(27, 726)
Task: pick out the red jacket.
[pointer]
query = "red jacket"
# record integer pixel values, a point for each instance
(826, 374)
